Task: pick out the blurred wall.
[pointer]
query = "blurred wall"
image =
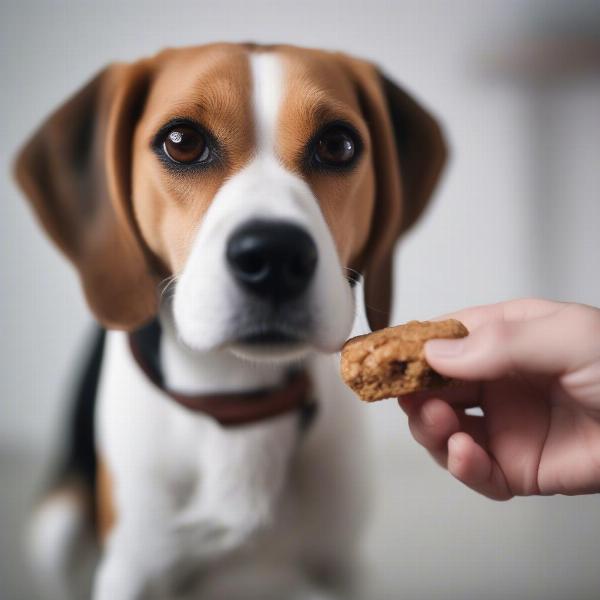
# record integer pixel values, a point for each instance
(517, 214)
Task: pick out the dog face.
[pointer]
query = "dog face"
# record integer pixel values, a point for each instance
(258, 178)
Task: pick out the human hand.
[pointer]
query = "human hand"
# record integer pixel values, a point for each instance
(533, 367)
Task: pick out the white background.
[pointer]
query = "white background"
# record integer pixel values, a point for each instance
(517, 214)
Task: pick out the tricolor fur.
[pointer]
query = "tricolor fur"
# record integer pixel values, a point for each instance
(186, 507)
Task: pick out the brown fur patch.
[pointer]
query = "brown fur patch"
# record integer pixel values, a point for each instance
(106, 514)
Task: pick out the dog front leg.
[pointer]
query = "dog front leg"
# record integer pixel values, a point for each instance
(136, 565)
(163, 559)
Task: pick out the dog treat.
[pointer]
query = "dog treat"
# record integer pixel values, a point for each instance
(391, 362)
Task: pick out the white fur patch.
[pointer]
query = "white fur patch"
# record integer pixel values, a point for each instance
(267, 92)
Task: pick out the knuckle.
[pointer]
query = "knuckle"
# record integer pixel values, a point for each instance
(522, 307)
(498, 349)
(527, 302)
(499, 333)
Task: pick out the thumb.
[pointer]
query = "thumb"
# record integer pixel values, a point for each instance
(550, 345)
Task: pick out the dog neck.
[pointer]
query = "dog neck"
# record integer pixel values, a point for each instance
(217, 371)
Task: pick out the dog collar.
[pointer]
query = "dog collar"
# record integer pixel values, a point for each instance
(229, 409)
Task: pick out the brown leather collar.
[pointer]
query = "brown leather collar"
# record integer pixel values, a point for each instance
(235, 409)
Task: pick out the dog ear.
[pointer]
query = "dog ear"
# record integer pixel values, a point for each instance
(408, 153)
(75, 171)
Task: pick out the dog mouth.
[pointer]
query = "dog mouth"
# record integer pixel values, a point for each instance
(272, 337)
(270, 344)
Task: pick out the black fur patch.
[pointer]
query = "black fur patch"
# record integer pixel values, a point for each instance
(79, 459)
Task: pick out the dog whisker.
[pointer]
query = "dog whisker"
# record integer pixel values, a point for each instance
(353, 271)
(167, 285)
(353, 277)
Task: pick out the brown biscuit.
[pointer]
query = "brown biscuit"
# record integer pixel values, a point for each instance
(391, 362)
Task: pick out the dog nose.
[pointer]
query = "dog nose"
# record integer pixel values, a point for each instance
(274, 260)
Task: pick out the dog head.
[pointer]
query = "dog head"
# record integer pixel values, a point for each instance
(260, 179)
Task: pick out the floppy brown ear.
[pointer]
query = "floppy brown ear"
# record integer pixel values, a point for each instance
(408, 153)
(75, 171)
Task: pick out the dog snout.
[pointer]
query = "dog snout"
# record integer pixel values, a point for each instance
(273, 260)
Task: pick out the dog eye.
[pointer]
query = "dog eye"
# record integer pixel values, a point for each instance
(186, 145)
(335, 147)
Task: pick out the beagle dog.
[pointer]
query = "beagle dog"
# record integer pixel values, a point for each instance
(219, 203)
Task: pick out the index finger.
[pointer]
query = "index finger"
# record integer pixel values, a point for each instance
(508, 311)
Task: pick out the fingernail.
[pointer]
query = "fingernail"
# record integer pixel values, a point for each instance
(444, 348)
